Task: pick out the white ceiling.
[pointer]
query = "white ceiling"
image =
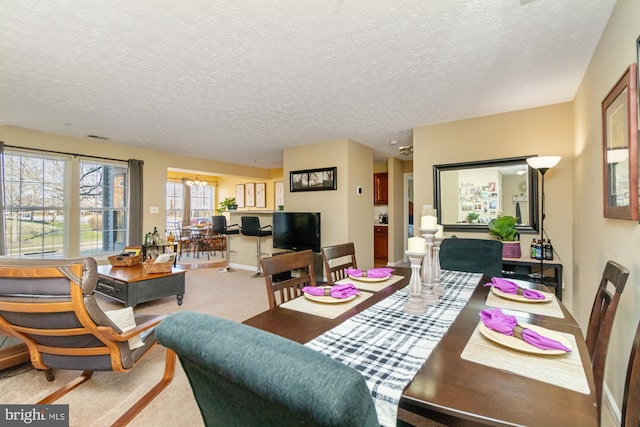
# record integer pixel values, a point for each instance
(237, 81)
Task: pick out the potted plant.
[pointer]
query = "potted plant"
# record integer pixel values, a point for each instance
(228, 204)
(472, 217)
(505, 228)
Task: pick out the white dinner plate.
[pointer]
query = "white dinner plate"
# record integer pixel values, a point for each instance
(369, 279)
(327, 299)
(520, 345)
(520, 298)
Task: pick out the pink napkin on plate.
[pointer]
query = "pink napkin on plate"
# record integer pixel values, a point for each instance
(374, 273)
(336, 291)
(497, 321)
(509, 287)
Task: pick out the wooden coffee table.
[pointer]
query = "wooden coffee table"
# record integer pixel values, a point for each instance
(133, 285)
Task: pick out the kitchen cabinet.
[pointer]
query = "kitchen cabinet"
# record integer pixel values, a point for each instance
(380, 246)
(380, 188)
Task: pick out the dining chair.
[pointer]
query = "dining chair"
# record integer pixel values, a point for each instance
(243, 376)
(603, 313)
(184, 240)
(286, 274)
(472, 256)
(631, 399)
(52, 309)
(336, 272)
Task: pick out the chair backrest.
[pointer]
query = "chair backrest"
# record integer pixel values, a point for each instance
(219, 224)
(250, 225)
(242, 376)
(287, 288)
(603, 313)
(631, 400)
(336, 272)
(472, 256)
(52, 309)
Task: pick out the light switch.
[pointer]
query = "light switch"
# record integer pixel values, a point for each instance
(154, 209)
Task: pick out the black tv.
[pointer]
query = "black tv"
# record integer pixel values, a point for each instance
(296, 231)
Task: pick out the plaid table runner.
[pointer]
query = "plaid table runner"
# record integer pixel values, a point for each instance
(389, 346)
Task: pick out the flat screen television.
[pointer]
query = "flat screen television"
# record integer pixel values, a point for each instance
(296, 231)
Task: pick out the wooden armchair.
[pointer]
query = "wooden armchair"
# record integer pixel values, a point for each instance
(336, 272)
(290, 287)
(53, 311)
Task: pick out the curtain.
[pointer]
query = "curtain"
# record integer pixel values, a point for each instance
(186, 204)
(3, 246)
(135, 202)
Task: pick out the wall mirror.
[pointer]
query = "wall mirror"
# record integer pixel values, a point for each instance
(469, 195)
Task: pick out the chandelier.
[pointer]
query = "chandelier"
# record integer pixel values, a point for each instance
(406, 150)
(195, 183)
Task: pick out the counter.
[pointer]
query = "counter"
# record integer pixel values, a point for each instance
(243, 247)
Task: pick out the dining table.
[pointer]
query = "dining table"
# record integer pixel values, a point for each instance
(465, 379)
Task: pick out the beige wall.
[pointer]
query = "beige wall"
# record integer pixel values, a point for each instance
(597, 239)
(541, 131)
(346, 215)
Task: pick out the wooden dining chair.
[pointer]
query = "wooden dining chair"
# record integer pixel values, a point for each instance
(631, 399)
(286, 274)
(336, 272)
(603, 313)
(472, 256)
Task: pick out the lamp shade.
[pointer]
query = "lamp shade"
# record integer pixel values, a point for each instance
(543, 162)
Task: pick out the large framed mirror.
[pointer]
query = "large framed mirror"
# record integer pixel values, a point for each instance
(469, 195)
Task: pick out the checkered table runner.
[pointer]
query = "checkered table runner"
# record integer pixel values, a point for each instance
(389, 346)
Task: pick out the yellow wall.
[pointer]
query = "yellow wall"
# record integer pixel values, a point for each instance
(542, 131)
(346, 215)
(597, 239)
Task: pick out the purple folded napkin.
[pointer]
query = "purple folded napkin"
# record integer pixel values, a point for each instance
(374, 273)
(509, 287)
(497, 321)
(336, 291)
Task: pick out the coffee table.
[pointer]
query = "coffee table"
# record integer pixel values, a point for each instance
(133, 285)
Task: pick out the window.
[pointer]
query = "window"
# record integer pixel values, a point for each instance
(174, 201)
(103, 207)
(35, 205)
(201, 203)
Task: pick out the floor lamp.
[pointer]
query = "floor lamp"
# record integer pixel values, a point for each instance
(542, 164)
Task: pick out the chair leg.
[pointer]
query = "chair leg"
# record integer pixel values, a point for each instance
(48, 373)
(66, 388)
(228, 268)
(169, 370)
(259, 272)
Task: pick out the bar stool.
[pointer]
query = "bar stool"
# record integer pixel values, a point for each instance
(219, 225)
(251, 227)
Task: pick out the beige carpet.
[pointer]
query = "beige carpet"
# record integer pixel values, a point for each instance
(102, 399)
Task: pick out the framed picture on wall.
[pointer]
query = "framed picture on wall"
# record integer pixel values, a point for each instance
(313, 179)
(279, 194)
(250, 194)
(240, 195)
(261, 196)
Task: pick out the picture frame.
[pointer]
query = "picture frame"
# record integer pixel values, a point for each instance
(620, 148)
(261, 196)
(278, 194)
(240, 195)
(249, 195)
(313, 179)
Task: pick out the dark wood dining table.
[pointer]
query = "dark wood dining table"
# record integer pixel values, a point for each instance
(455, 391)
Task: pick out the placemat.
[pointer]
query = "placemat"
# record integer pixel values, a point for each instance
(371, 286)
(551, 308)
(330, 311)
(564, 370)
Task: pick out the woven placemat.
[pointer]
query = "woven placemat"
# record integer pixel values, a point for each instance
(371, 286)
(551, 308)
(330, 311)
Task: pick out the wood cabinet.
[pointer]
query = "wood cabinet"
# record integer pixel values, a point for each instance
(380, 246)
(381, 188)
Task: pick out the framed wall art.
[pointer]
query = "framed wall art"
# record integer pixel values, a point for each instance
(250, 195)
(261, 195)
(240, 195)
(313, 179)
(620, 148)
(278, 194)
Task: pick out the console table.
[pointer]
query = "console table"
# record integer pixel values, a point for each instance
(529, 269)
(133, 285)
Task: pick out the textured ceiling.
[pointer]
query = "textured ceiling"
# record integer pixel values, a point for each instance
(237, 81)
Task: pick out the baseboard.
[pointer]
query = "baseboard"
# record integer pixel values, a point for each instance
(607, 399)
